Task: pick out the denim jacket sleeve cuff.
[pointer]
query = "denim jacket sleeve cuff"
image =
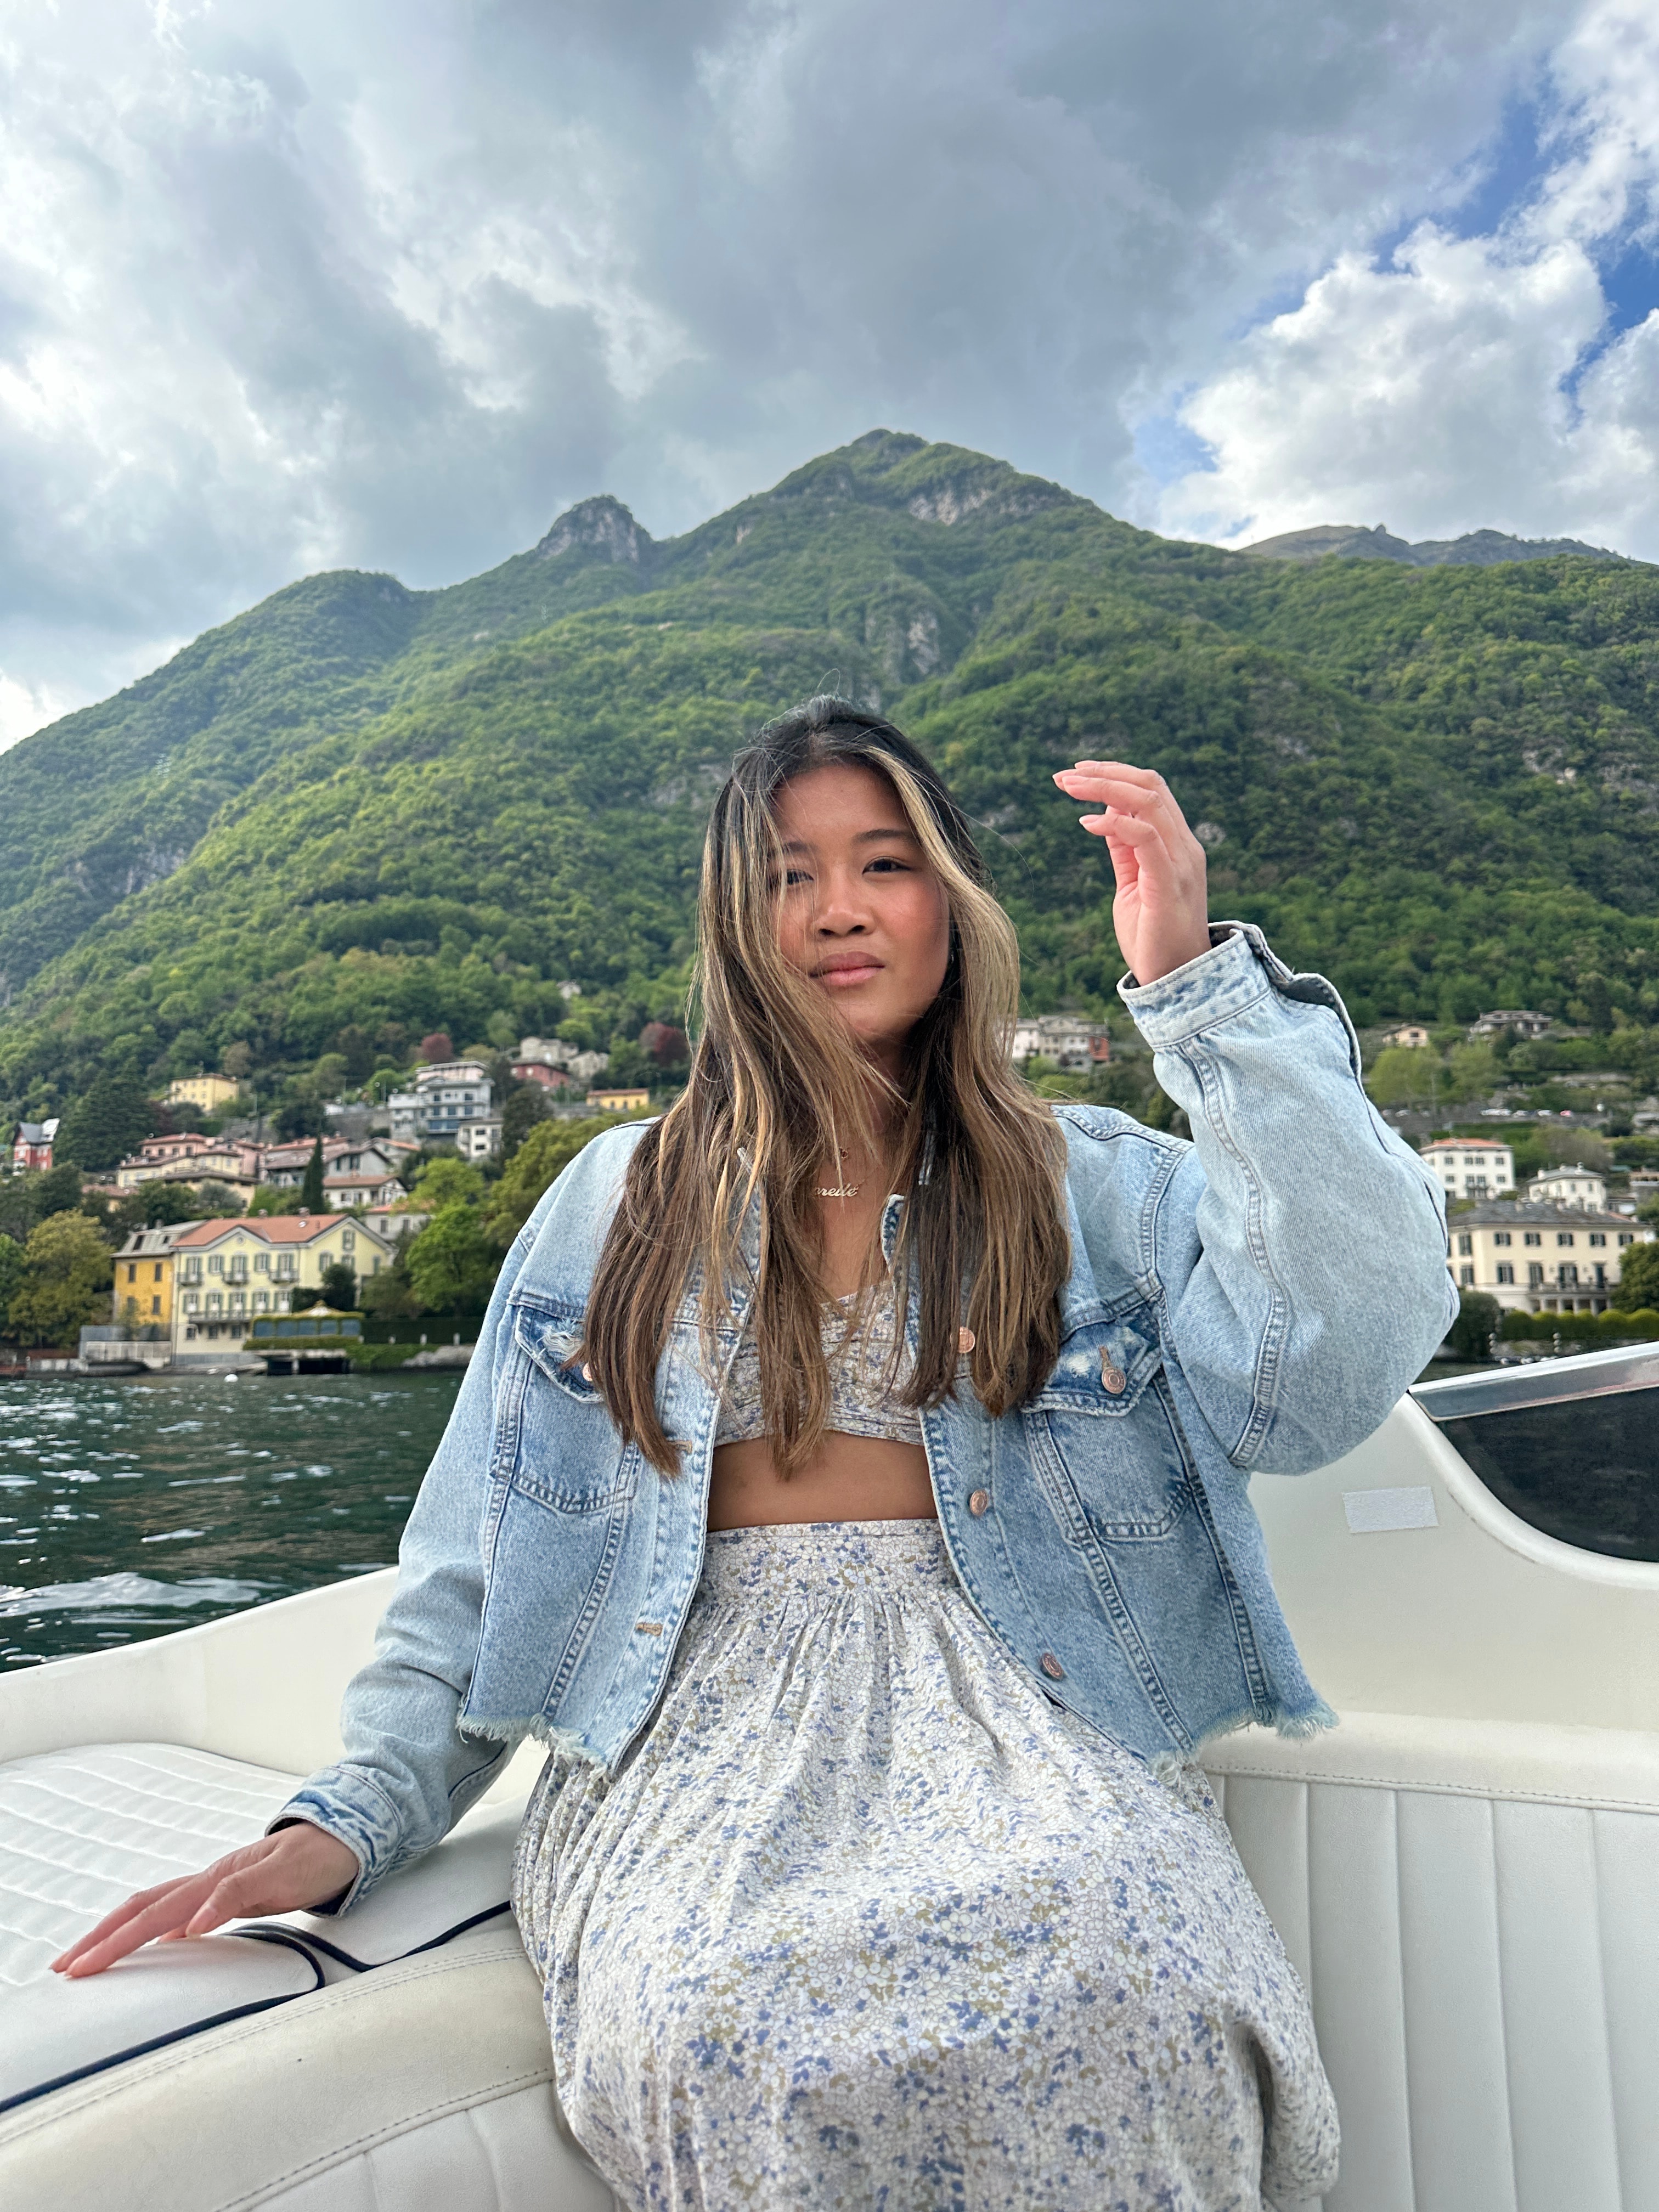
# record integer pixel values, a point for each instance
(367, 1831)
(1239, 968)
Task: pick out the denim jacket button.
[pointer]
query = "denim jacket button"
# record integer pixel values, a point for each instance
(1052, 1668)
(979, 1501)
(587, 1375)
(966, 1339)
(1113, 1378)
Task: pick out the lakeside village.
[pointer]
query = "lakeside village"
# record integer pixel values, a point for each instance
(375, 1242)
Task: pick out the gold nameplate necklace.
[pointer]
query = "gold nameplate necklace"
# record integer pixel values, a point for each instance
(840, 1189)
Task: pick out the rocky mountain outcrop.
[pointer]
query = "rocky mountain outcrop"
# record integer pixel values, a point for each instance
(602, 525)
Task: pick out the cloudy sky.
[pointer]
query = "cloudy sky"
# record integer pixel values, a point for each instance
(387, 284)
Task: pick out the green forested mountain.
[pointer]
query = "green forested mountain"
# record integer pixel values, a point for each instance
(358, 812)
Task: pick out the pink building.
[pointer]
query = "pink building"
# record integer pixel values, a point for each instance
(32, 1146)
(537, 1071)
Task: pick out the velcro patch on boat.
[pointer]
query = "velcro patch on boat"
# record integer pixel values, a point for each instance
(1371, 1512)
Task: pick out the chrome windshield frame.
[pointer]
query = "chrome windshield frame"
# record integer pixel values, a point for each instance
(1531, 1382)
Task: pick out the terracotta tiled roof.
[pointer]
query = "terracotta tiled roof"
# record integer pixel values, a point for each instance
(269, 1228)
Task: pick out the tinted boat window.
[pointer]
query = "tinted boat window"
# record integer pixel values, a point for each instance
(1586, 1471)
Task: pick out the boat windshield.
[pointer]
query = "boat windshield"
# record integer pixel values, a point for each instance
(1570, 1445)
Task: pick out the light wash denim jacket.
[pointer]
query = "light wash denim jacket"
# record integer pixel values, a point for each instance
(1257, 1299)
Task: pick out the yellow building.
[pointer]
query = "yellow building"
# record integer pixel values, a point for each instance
(209, 1093)
(618, 1101)
(1541, 1259)
(142, 1290)
(225, 1272)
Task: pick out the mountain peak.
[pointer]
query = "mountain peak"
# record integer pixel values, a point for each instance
(1476, 548)
(602, 525)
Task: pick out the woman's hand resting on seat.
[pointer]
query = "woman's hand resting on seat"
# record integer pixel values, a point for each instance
(297, 1868)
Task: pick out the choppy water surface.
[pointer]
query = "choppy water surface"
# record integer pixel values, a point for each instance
(131, 1507)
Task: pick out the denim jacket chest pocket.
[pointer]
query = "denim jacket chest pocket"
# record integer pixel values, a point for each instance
(1103, 1437)
(554, 1438)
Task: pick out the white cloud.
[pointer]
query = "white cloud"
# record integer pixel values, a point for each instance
(1465, 382)
(23, 709)
(286, 285)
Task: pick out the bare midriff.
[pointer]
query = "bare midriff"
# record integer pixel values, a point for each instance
(851, 1478)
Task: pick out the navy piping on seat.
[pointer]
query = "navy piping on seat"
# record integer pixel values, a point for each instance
(177, 2034)
(372, 1965)
(288, 1940)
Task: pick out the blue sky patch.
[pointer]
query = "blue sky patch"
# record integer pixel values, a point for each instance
(1168, 449)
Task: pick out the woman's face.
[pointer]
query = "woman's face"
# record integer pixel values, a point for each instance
(861, 911)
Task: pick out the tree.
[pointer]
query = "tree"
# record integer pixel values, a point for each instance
(1475, 1070)
(630, 1068)
(11, 1275)
(107, 1120)
(1638, 1278)
(66, 1275)
(57, 1191)
(310, 1189)
(436, 1048)
(238, 1062)
(27, 1198)
(526, 1104)
(339, 1287)
(387, 1296)
(668, 1046)
(1479, 1318)
(160, 1202)
(1403, 1074)
(299, 1114)
(269, 1198)
(446, 1180)
(358, 1053)
(545, 1153)
(452, 1269)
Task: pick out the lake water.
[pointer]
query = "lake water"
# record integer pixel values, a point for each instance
(129, 1508)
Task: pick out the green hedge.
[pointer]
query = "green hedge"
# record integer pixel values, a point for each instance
(1610, 1327)
(380, 1359)
(437, 1328)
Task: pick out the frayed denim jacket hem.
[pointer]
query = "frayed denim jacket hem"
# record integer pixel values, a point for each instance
(1255, 1298)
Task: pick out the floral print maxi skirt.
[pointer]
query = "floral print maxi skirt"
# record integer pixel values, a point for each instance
(865, 1919)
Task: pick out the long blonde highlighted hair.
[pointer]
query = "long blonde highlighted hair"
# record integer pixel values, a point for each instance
(779, 1084)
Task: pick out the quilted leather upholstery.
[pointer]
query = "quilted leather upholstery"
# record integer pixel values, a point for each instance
(423, 2086)
(80, 1830)
(1485, 1976)
(1474, 1907)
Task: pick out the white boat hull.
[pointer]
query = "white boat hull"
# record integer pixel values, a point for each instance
(1466, 1874)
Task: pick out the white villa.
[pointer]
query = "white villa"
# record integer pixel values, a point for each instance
(1073, 1042)
(1569, 1186)
(1470, 1167)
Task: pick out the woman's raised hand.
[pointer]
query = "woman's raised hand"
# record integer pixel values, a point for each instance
(297, 1868)
(1160, 911)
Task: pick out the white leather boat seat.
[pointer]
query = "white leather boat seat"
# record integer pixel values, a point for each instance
(1474, 1907)
(396, 2058)
(424, 2086)
(81, 1829)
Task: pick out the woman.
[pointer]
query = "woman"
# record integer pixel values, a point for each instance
(849, 1488)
